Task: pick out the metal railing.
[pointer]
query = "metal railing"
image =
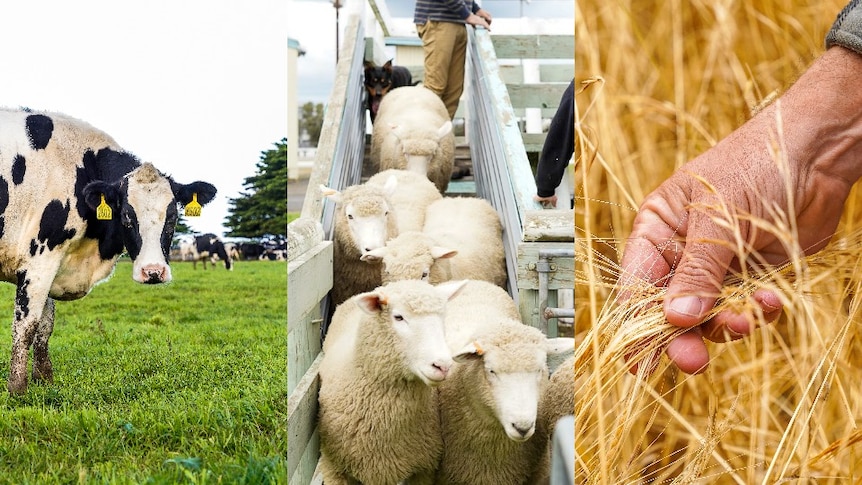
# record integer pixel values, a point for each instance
(500, 165)
(341, 148)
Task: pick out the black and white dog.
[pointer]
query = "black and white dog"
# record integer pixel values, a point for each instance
(379, 80)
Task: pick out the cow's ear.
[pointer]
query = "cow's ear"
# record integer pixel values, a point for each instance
(94, 191)
(205, 192)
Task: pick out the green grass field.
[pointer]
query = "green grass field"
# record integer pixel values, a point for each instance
(179, 383)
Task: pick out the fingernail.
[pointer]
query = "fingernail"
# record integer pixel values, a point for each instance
(690, 306)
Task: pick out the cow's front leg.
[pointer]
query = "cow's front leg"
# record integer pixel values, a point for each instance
(42, 368)
(30, 299)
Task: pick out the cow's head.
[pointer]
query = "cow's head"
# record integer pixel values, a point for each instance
(144, 215)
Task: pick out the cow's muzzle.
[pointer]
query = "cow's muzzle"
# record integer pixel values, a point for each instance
(154, 274)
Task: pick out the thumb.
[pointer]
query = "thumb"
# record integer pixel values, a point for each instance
(697, 281)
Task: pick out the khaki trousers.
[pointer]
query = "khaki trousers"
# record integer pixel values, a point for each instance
(445, 47)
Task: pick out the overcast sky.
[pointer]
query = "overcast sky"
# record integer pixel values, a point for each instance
(197, 87)
(312, 24)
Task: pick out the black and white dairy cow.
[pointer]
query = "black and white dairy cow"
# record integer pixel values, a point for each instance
(56, 174)
(203, 248)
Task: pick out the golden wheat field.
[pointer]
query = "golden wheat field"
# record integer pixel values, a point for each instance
(659, 83)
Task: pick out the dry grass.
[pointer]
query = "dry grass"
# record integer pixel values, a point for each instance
(662, 82)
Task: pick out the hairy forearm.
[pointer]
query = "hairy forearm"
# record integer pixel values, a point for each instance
(822, 114)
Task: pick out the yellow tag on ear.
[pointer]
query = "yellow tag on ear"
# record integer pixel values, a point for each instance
(193, 208)
(103, 211)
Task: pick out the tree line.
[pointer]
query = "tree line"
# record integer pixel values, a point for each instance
(261, 208)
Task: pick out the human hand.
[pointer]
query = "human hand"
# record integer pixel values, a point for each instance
(476, 21)
(677, 241)
(547, 202)
(485, 15)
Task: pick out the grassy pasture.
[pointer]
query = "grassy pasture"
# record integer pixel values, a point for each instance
(180, 383)
(662, 82)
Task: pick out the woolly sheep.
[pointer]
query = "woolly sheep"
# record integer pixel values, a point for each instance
(557, 400)
(559, 397)
(479, 306)
(489, 406)
(410, 197)
(363, 221)
(366, 216)
(378, 409)
(413, 132)
(461, 238)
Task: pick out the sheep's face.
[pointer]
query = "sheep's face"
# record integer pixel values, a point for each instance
(514, 388)
(368, 222)
(422, 341)
(510, 371)
(414, 311)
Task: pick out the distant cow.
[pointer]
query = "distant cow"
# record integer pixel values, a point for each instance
(71, 201)
(251, 250)
(209, 247)
(232, 250)
(187, 250)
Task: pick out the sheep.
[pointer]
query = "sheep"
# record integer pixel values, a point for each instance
(383, 356)
(366, 216)
(479, 306)
(363, 221)
(413, 131)
(557, 401)
(411, 196)
(559, 397)
(461, 238)
(489, 406)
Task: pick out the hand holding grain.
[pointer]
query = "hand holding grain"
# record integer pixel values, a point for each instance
(680, 239)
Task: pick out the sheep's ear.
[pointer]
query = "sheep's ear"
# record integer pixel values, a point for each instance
(444, 130)
(451, 288)
(373, 255)
(371, 302)
(438, 252)
(471, 351)
(559, 345)
(331, 194)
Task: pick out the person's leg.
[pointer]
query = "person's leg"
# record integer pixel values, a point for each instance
(437, 46)
(455, 86)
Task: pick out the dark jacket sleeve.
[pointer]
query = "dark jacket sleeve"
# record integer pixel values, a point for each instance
(847, 29)
(559, 145)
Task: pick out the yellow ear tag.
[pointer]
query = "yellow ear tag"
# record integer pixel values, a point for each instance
(193, 208)
(103, 211)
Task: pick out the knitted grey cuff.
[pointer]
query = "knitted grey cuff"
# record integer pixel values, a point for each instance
(847, 29)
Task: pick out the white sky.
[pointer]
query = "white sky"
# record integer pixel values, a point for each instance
(197, 87)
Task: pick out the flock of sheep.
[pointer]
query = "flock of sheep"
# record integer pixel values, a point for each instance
(428, 374)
